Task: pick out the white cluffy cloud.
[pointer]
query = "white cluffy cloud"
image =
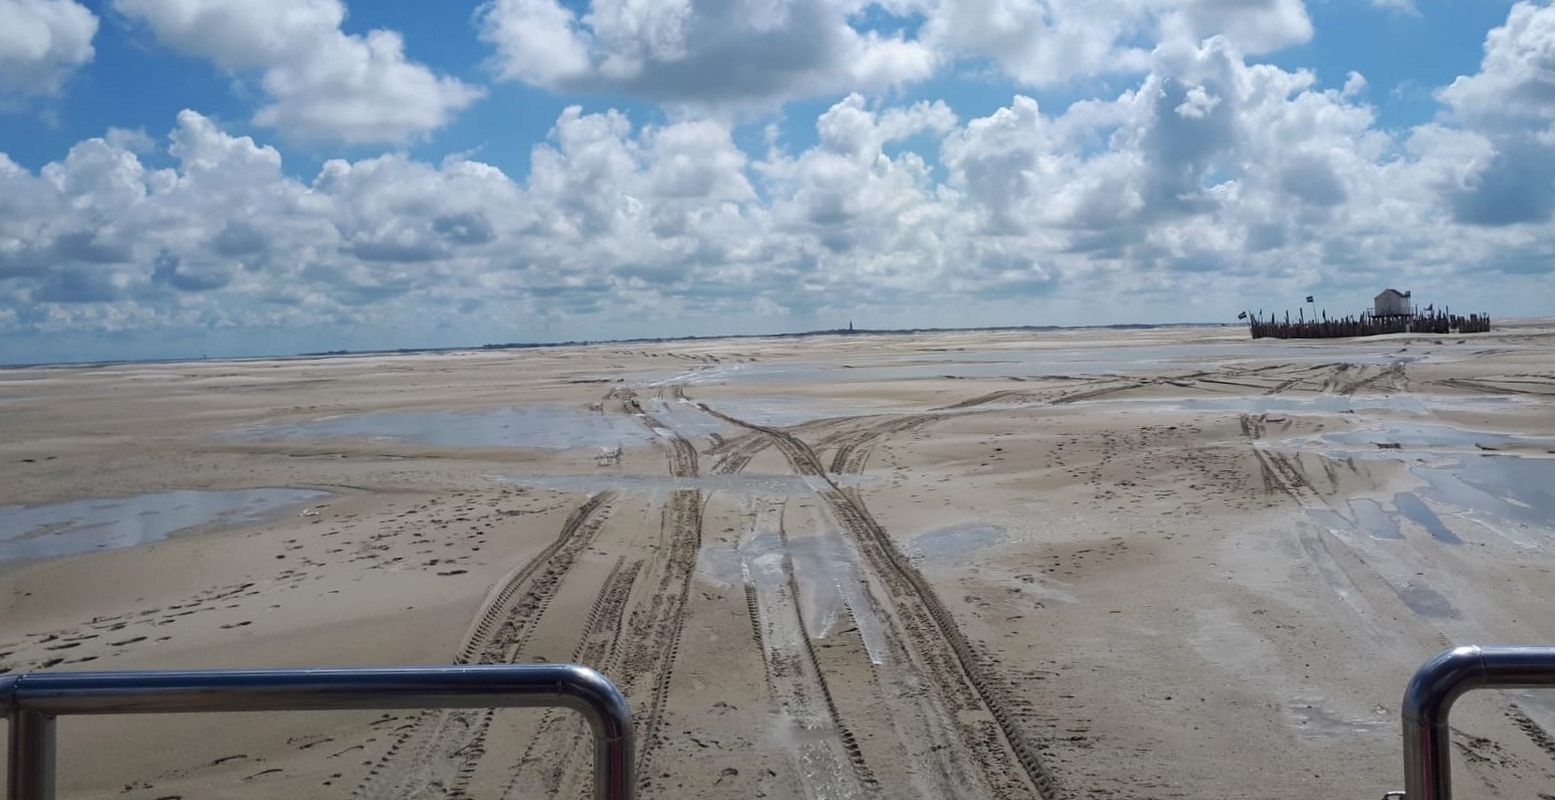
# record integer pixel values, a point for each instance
(1209, 185)
(322, 83)
(754, 52)
(1501, 121)
(705, 54)
(41, 43)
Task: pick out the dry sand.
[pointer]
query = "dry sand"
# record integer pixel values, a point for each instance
(1137, 564)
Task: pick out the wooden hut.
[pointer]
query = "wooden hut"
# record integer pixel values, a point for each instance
(1392, 303)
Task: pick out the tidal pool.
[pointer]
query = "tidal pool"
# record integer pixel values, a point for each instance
(948, 545)
(545, 426)
(80, 526)
(1316, 403)
(825, 570)
(744, 484)
(1512, 495)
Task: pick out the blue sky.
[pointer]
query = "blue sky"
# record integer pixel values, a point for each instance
(193, 177)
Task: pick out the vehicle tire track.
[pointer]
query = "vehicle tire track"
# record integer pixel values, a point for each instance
(439, 746)
(1091, 394)
(655, 628)
(961, 673)
(827, 753)
(1536, 733)
(855, 447)
(553, 747)
(1394, 372)
(657, 656)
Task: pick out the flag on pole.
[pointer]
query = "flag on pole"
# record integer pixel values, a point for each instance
(1309, 298)
(1242, 315)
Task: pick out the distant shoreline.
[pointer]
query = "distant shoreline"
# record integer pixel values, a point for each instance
(587, 342)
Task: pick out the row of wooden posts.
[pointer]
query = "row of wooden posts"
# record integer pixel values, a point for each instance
(1440, 322)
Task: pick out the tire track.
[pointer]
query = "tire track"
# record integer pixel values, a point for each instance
(855, 447)
(1540, 737)
(1090, 394)
(1485, 385)
(664, 624)
(1277, 470)
(552, 749)
(830, 761)
(439, 747)
(961, 673)
(1394, 373)
(654, 628)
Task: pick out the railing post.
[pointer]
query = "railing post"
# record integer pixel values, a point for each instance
(31, 763)
(33, 701)
(1441, 681)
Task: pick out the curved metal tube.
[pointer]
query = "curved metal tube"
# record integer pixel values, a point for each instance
(36, 699)
(1442, 680)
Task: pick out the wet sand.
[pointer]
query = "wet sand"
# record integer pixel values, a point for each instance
(1123, 564)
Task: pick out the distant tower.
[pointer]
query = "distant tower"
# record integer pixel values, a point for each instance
(850, 326)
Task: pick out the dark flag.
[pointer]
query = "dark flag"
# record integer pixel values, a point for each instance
(1242, 315)
(1309, 298)
(1429, 307)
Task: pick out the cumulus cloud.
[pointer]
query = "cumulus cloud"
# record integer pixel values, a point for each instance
(760, 52)
(1507, 109)
(1209, 184)
(1046, 42)
(322, 83)
(41, 43)
(702, 54)
(1516, 79)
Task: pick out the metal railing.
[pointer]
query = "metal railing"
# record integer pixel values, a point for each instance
(32, 702)
(1429, 699)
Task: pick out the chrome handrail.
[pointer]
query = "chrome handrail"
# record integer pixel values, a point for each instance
(32, 701)
(1429, 699)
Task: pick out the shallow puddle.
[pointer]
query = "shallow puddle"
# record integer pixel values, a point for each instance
(746, 484)
(1427, 602)
(1366, 516)
(79, 526)
(546, 427)
(1313, 717)
(686, 419)
(825, 569)
(950, 545)
(831, 583)
(1500, 480)
(781, 412)
(1312, 403)
(1506, 493)
(1404, 436)
(1372, 518)
(1412, 507)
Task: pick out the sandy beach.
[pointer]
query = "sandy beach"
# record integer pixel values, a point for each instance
(1151, 563)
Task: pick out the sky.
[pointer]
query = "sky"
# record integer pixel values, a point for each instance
(187, 178)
